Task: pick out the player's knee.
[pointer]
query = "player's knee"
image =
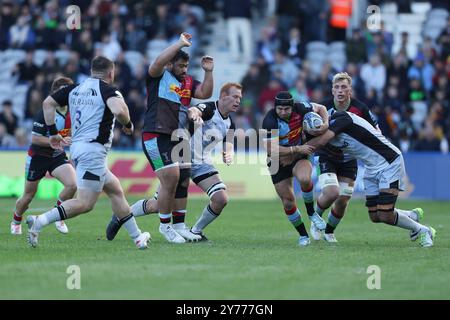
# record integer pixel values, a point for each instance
(341, 203)
(386, 216)
(71, 188)
(373, 215)
(220, 199)
(85, 206)
(305, 182)
(330, 193)
(288, 202)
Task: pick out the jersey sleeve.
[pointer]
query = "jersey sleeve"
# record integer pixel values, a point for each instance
(207, 110)
(230, 133)
(108, 91)
(339, 121)
(39, 126)
(62, 95)
(270, 124)
(304, 107)
(368, 115)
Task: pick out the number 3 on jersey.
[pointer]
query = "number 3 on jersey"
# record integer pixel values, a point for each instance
(77, 119)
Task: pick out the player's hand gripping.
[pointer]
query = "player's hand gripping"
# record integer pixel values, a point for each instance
(184, 40)
(227, 157)
(58, 142)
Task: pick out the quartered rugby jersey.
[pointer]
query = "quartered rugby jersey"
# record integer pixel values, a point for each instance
(289, 132)
(356, 107)
(62, 123)
(167, 102)
(362, 141)
(92, 120)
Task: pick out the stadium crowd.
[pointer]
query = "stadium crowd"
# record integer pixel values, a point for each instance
(409, 95)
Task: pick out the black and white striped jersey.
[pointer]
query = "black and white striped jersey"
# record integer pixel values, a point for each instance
(360, 139)
(92, 120)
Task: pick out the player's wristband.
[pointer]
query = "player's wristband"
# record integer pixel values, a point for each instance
(129, 125)
(52, 129)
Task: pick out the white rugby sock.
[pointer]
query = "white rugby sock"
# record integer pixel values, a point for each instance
(409, 213)
(46, 218)
(206, 218)
(129, 222)
(405, 222)
(138, 209)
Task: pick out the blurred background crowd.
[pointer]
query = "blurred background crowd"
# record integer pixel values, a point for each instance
(400, 63)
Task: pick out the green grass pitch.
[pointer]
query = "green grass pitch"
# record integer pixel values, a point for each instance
(253, 254)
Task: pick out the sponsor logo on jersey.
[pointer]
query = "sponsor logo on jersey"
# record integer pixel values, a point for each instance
(183, 93)
(64, 132)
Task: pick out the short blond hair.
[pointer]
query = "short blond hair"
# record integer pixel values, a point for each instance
(342, 76)
(226, 87)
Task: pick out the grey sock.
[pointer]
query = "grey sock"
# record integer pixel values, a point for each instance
(409, 213)
(405, 222)
(138, 209)
(129, 222)
(206, 218)
(47, 218)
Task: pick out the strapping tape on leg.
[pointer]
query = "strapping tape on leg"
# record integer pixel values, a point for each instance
(328, 179)
(216, 187)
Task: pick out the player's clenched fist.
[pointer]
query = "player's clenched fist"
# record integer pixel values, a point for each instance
(207, 63)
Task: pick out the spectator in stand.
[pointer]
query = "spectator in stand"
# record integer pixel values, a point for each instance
(399, 67)
(288, 69)
(238, 15)
(134, 39)
(268, 94)
(267, 45)
(8, 118)
(21, 34)
(6, 140)
(288, 16)
(356, 48)
(26, 70)
(294, 48)
(422, 70)
(7, 20)
(340, 14)
(161, 26)
(374, 74)
(429, 138)
(299, 91)
(315, 14)
(109, 47)
(253, 82)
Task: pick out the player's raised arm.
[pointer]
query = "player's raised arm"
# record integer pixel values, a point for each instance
(205, 89)
(157, 67)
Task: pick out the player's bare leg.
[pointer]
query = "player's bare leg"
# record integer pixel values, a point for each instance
(285, 191)
(386, 213)
(22, 205)
(122, 210)
(66, 175)
(216, 190)
(168, 178)
(302, 171)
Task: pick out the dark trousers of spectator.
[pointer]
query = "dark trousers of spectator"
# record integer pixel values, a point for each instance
(336, 34)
